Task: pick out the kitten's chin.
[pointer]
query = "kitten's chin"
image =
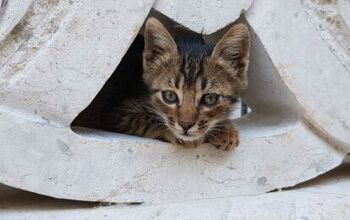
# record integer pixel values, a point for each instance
(188, 137)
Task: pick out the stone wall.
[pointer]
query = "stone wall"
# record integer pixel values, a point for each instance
(56, 55)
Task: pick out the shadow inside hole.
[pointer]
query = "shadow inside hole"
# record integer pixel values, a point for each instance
(125, 83)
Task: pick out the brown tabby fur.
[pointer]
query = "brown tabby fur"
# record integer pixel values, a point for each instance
(223, 72)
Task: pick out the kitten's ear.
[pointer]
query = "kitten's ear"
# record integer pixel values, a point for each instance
(233, 49)
(158, 42)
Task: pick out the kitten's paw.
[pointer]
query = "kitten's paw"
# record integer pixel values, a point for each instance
(227, 140)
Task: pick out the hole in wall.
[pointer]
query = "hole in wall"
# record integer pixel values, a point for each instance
(266, 104)
(125, 83)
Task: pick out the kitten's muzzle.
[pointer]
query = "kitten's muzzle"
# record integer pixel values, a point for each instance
(186, 126)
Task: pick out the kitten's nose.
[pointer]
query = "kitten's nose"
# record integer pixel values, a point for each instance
(186, 125)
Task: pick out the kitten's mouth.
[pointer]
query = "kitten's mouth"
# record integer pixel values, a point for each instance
(187, 137)
(185, 133)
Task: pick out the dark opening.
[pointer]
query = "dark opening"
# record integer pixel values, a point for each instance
(124, 83)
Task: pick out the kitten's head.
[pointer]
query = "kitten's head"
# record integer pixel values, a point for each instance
(194, 87)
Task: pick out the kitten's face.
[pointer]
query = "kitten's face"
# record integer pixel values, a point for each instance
(193, 93)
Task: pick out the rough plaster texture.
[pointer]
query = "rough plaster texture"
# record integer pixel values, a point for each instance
(328, 197)
(203, 16)
(59, 55)
(306, 64)
(11, 12)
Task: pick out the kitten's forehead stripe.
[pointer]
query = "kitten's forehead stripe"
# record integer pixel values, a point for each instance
(204, 83)
(193, 51)
(177, 81)
(201, 67)
(192, 69)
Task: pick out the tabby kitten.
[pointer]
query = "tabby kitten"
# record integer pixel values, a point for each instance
(191, 88)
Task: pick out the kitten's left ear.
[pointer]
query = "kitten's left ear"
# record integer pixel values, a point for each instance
(233, 49)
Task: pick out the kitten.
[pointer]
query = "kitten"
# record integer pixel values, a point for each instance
(191, 89)
(177, 90)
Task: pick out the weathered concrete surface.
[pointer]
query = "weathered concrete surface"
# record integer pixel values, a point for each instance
(60, 54)
(331, 19)
(63, 59)
(312, 72)
(11, 12)
(326, 198)
(124, 169)
(203, 16)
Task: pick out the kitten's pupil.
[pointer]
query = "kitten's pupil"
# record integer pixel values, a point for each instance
(169, 97)
(210, 99)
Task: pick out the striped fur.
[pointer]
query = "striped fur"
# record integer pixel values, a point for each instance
(190, 69)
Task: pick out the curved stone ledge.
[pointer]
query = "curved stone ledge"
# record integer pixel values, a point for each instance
(317, 79)
(109, 167)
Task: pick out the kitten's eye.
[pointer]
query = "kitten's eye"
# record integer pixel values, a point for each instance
(169, 97)
(210, 99)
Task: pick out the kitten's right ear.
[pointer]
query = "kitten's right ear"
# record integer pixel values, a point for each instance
(233, 50)
(159, 44)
